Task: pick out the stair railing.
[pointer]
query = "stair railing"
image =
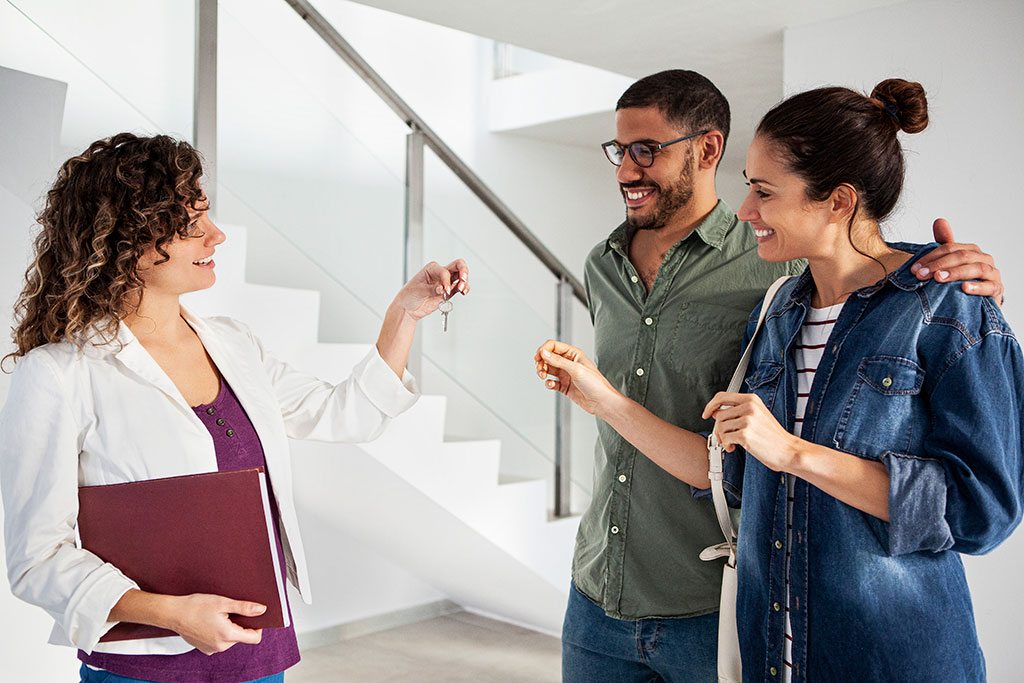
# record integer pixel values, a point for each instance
(420, 134)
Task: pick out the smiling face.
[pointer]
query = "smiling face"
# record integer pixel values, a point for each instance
(655, 194)
(786, 223)
(189, 266)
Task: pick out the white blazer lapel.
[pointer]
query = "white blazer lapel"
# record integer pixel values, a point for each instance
(242, 371)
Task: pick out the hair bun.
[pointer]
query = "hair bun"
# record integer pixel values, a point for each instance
(904, 101)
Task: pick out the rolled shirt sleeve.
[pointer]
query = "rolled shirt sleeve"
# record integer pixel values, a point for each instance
(39, 478)
(965, 492)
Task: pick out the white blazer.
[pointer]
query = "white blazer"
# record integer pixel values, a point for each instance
(108, 413)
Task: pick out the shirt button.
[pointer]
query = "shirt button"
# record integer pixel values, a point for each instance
(782, 478)
(211, 411)
(230, 432)
(220, 421)
(615, 245)
(649, 321)
(773, 671)
(622, 478)
(776, 606)
(835, 348)
(887, 382)
(640, 372)
(615, 529)
(635, 278)
(778, 545)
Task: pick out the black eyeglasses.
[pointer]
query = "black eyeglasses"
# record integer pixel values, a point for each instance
(642, 153)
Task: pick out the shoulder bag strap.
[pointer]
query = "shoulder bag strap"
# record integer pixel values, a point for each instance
(715, 449)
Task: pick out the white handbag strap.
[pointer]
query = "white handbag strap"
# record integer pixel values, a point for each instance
(715, 472)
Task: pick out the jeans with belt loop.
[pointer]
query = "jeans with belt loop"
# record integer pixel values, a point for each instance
(597, 648)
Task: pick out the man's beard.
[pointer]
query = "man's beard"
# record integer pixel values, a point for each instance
(670, 200)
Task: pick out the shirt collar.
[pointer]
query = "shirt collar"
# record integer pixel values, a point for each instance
(712, 230)
(902, 278)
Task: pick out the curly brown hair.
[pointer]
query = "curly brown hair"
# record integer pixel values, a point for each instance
(109, 204)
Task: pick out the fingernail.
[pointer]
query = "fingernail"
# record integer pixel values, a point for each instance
(972, 286)
(942, 274)
(923, 271)
(546, 353)
(914, 268)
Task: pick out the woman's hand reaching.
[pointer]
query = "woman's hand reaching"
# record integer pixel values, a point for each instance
(417, 299)
(421, 295)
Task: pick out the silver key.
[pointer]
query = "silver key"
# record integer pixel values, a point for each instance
(445, 307)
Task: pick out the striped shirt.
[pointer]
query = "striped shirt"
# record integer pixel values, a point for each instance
(809, 348)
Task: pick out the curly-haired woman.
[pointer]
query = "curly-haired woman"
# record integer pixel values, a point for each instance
(115, 381)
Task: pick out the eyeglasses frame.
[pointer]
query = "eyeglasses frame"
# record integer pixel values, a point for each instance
(654, 148)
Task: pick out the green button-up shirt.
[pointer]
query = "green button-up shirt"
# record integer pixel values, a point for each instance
(670, 350)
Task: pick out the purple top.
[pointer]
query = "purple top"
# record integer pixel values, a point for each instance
(237, 446)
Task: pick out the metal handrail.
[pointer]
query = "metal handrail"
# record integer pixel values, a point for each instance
(445, 153)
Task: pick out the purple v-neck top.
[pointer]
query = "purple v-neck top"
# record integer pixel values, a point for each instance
(238, 447)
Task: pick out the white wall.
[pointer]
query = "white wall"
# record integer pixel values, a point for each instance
(966, 167)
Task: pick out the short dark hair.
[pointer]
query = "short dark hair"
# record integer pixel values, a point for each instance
(685, 98)
(830, 136)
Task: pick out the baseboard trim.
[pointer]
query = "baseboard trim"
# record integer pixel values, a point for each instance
(378, 622)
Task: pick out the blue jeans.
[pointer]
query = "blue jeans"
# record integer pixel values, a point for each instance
(597, 648)
(94, 676)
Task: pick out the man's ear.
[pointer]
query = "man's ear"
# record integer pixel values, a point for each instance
(710, 150)
(842, 203)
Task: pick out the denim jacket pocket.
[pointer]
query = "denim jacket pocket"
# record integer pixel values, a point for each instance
(765, 381)
(879, 415)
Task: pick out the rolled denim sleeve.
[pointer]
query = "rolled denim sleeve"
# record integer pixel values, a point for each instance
(965, 492)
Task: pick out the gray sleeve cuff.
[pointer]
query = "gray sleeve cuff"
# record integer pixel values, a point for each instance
(917, 505)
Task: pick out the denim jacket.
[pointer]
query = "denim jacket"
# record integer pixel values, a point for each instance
(930, 382)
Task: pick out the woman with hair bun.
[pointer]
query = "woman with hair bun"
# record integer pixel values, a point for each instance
(115, 381)
(879, 432)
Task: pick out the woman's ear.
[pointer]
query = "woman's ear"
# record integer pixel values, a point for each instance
(842, 203)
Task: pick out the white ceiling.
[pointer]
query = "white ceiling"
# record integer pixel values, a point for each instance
(735, 43)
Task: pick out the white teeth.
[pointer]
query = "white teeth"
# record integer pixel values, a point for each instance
(204, 261)
(764, 233)
(636, 195)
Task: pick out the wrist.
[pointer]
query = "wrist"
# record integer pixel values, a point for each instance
(613, 408)
(795, 452)
(399, 315)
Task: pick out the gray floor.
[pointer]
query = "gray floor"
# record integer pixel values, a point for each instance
(450, 649)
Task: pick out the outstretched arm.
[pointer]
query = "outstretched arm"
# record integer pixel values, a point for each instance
(680, 452)
(955, 262)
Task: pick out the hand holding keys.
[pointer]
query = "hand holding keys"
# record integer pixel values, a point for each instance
(446, 305)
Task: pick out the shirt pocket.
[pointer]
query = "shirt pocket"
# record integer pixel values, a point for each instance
(765, 382)
(705, 342)
(879, 415)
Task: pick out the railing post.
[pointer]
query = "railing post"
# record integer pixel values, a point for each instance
(413, 232)
(204, 102)
(563, 406)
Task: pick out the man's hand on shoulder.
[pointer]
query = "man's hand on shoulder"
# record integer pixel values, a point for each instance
(955, 262)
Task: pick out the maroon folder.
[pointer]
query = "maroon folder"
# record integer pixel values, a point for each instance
(201, 533)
